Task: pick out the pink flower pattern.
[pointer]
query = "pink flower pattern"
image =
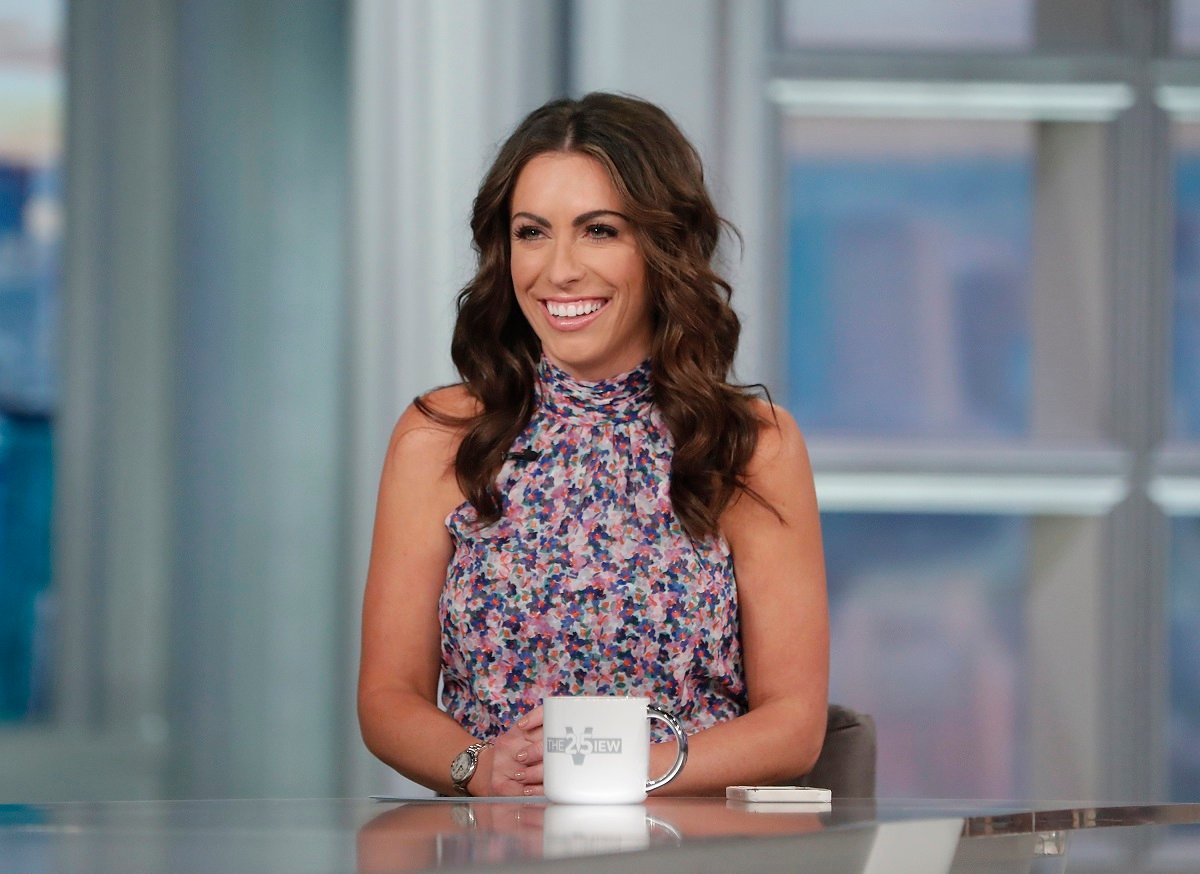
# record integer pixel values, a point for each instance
(588, 584)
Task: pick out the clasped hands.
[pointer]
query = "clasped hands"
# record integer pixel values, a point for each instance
(512, 765)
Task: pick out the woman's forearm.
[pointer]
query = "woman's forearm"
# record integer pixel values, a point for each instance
(774, 743)
(410, 734)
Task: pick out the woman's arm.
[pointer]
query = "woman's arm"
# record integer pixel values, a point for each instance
(401, 635)
(784, 619)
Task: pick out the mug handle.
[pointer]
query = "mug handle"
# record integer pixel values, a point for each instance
(653, 712)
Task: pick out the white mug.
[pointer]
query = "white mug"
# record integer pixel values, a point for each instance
(597, 749)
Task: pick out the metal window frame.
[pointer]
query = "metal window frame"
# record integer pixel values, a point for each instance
(1110, 492)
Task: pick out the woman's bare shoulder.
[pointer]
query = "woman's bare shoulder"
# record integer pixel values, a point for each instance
(780, 444)
(452, 400)
(432, 426)
(779, 478)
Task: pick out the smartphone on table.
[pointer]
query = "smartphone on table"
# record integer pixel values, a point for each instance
(790, 794)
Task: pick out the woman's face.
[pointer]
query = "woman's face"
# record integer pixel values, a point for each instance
(577, 269)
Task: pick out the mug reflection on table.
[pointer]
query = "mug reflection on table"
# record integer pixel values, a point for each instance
(578, 830)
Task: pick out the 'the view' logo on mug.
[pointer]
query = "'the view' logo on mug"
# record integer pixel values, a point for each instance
(598, 748)
(580, 746)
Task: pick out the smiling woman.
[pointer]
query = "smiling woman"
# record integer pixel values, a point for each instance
(595, 509)
(577, 268)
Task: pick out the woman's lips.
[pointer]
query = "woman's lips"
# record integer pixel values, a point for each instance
(564, 321)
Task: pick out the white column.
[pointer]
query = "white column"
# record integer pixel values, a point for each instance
(257, 352)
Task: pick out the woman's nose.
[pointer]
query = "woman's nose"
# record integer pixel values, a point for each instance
(565, 267)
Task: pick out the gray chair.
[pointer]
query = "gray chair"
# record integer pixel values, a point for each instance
(846, 764)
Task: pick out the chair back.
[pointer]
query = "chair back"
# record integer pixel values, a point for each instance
(846, 765)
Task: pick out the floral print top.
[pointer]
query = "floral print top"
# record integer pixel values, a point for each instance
(588, 584)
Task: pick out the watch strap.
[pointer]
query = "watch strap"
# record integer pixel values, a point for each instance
(472, 752)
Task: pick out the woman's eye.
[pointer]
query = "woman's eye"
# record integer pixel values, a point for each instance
(601, 232)
(527, 232)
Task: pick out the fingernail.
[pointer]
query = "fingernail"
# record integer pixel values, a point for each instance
(523, 721)
(527, 791)
(520, 775)
(522, 756)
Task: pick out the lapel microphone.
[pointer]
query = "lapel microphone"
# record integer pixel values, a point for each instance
(523, 456)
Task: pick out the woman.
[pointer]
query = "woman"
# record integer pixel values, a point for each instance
(594, 509)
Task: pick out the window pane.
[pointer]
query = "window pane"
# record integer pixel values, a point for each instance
(1185, 25)
(31, 86)
(918, 24)
(1185, 407)
(1185, 660)
(928, 637)
(909, 254)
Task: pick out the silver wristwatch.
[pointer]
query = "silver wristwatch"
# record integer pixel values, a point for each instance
(462, 769)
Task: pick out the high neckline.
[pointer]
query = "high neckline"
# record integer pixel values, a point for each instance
(619, 397)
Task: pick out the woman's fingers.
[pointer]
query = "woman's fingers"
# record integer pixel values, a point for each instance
(517, 757)
(531, 720)
(533, 753)
(532, 776)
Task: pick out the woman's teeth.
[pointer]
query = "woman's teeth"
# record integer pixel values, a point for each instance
(570, 310)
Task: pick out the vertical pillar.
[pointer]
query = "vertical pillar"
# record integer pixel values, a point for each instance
(112, 461)
(1135, 634)
(258, 385)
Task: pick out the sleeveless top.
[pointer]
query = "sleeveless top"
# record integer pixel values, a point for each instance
(588, 583)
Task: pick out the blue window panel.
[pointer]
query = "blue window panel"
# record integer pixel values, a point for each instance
(26, 483)
(1185, 356)
(908, 275)
(928, 635)
(1185, 25)
(31, 218)
(1184, 630)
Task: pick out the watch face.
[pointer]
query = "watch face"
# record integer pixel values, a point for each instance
(462, 767)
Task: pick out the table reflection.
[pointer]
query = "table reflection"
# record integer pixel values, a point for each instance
(420, 835)
(319, 836)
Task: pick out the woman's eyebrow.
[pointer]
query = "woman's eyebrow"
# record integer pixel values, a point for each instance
(536, 219)
(579, 220)
(595, 214)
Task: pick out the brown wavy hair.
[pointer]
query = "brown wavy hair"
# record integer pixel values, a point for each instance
(658, 175)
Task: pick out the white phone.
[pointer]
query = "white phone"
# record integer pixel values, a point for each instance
(792, 794)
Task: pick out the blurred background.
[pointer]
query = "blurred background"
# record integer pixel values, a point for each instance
(230, 237)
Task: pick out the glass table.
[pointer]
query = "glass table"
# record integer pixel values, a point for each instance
(662, 835)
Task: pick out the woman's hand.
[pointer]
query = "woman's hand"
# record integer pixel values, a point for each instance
(515, 766)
